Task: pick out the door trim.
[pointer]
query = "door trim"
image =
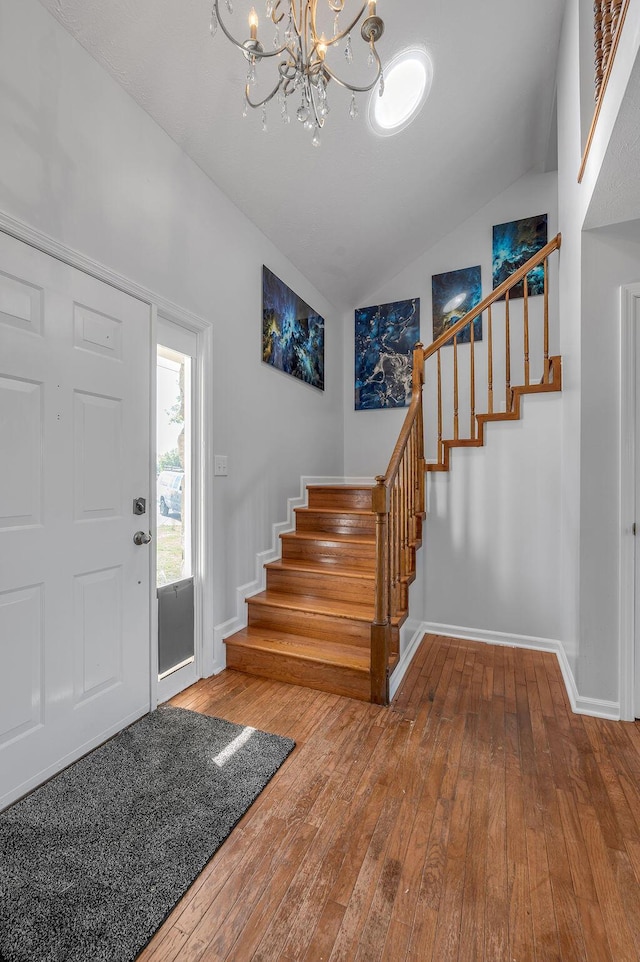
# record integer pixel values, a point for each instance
(204, 329)
(630, 321)
(49, 245)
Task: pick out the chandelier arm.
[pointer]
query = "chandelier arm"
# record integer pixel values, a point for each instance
(352, 87)
(339, 36)
(262, 55)
(304, 35)
(296, 17)
(336, 5)
(273, 15)
(261, 103)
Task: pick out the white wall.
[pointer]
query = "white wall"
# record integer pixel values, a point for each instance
(608, 261)
(491, 557)
(593, 266)
(81, 162)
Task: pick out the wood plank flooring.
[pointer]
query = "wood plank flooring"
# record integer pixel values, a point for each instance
(476, 820)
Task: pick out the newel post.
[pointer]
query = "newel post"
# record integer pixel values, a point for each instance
(381, 627)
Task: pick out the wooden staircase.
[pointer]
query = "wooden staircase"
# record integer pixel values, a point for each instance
(312, 624)
(331, 613)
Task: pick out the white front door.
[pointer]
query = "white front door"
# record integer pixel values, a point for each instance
(74, 453)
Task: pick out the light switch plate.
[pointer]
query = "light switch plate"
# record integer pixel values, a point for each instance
(220, 465)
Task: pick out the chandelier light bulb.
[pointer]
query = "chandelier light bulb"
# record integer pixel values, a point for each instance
(253, 23)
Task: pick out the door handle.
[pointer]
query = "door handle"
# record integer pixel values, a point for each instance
(141, 538)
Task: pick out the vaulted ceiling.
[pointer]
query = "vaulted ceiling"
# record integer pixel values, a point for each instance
(354, 211)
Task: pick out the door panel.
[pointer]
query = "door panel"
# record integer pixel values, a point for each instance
(98, 424)
(21, 699)
(21, 452)
(74, 452)
(99, 621)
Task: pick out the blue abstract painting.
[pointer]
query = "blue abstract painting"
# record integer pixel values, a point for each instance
(292, 333)
(385, 338)
(454, 294)
(513, 244)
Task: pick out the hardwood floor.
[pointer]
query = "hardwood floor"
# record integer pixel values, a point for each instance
(475, 819)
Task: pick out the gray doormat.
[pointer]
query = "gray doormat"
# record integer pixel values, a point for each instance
(93, 861)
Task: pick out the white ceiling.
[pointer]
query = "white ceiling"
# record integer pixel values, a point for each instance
(353, 212)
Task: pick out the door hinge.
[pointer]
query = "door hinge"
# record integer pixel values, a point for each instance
(633, 527)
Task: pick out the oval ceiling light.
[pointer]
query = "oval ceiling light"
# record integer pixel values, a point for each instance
(407, 82)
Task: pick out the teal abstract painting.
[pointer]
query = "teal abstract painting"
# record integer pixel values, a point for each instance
(385, 336)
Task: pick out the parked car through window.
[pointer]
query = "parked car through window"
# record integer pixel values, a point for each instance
(170, 492)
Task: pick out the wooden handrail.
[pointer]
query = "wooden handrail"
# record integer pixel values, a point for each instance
(403, 438)
(494, 296)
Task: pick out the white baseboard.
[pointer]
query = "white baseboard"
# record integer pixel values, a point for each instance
(580, 704)
(239, 620)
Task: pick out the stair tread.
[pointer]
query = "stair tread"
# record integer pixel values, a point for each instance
(329, 537)
(340, 487)
(317, 567)
(463, 442)
(298, 646)
(361, 512)
(314, 605)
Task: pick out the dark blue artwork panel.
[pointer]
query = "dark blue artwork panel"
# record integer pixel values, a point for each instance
(454, 294)
(385, 338)
(513, 244)
(292, 334)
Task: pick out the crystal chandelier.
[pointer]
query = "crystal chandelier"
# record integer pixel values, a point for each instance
(300, 55)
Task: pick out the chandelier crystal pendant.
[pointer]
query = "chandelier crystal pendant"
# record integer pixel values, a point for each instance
(300, 53)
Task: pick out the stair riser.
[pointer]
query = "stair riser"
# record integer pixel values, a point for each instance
(340, 498)
(335, 523)
(333, 587)
(345, 631)
(361, 556)
(296, 671)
